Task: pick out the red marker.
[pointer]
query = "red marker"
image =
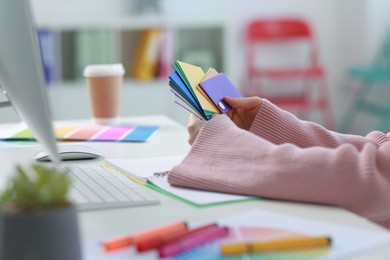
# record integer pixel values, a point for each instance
(156, 242)
(193, 241)
(169, 239)
(126, 241)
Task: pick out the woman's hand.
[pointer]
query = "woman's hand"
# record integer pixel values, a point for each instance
(244, 110)
(243, 113)
(193, 127)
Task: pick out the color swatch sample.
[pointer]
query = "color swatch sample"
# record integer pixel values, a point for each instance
(201, 93)
(113, 133)
(84, 133)
(95, 133)
(211, 250)
(217, 88)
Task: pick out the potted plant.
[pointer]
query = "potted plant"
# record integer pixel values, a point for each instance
(37, 219)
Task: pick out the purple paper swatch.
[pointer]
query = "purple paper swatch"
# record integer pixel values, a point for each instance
(218, 87)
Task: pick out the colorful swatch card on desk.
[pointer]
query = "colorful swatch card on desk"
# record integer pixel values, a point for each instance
(186, 84)
(89, 133)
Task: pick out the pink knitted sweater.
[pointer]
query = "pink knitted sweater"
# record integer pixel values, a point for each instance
(282, 157)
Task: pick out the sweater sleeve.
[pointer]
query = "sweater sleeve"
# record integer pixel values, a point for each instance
(228, 159)
(279, 126)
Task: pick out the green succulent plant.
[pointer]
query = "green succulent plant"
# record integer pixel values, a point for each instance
(37, 187)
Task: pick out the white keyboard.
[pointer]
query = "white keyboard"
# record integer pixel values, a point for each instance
(98, 186)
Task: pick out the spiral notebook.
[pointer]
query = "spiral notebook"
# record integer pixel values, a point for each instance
(152, 172)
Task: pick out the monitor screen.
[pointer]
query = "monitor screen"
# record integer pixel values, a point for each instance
(21, 72)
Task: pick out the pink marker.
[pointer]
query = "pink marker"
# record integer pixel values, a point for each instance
(193, 241)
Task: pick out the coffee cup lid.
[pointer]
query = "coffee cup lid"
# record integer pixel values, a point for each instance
(102, 70)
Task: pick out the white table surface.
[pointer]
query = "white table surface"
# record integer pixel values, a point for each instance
(171, 139)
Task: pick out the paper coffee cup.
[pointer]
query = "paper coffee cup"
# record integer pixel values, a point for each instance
(104, 83)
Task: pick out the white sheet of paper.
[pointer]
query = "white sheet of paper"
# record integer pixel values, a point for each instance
(143, 169)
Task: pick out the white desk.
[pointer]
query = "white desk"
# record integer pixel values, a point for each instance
(171, 139)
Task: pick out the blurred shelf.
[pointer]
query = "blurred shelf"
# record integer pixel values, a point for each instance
(120, 23)
(80, 40)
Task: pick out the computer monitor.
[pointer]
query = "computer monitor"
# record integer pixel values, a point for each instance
(21, 72)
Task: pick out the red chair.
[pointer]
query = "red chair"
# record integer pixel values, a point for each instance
(290, 39)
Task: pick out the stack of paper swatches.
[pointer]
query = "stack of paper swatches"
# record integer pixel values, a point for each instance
(201, 93)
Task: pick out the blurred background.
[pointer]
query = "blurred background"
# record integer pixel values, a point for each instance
(147, 36)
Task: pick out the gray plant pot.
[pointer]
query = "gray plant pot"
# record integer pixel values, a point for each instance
(40, 236)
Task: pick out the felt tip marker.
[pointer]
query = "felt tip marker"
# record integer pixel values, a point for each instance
(126, 241)
(198, 239)
(168, 238)
(275, 245)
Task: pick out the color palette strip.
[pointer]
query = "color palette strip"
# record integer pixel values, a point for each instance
(96, 133)
(139, 134)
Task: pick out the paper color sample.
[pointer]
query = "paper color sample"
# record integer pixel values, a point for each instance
(139, 134)
(24, 134)
(209, 74)
(191, 74)
(194, 75)
(184, 77)
(177, 83)
(64, 131)
(84, 133)
(186, 83)
(183, 103)
(95, 133)
(113, 133)
(217, 88)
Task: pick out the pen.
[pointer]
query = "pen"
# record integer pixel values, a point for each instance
(275, 245)
(193, 241)
(156, 242)
(126, 241)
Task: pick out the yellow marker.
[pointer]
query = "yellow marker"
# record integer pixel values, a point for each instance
(275, 245)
